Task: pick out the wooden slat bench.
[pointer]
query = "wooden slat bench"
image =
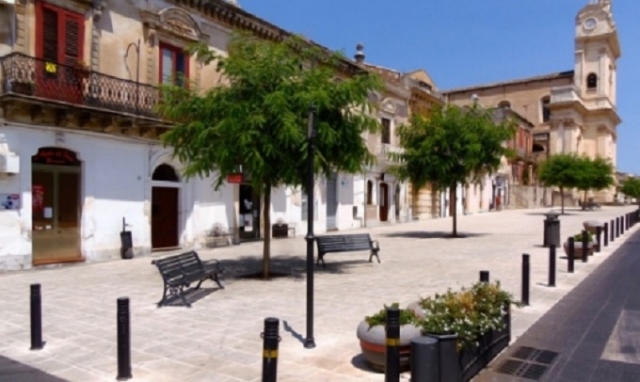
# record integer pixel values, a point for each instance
(346, 243)
(179, 271)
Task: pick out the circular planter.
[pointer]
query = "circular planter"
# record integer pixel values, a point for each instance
(591, 226)
(578, 252)
(373, 344)
(417, 309)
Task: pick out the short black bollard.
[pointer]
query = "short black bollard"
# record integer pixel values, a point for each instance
(571, 255)
(585, 246)
(605, 233)
(484, 276)
(552, 265)
(124, 340)
(526, 272)
(392, 353)
(612, 236)
(270, 338)
(621, 225)
(599, 238)
(36, 318)
(618, 228)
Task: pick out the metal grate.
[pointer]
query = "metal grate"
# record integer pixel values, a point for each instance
(527, 362)
(526, 353)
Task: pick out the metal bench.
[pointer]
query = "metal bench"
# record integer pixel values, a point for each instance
(346, 243)
(179, 271)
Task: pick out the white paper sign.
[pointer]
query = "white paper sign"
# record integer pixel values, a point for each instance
(48, 213)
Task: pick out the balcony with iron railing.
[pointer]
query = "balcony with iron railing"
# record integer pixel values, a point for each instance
(23, 76)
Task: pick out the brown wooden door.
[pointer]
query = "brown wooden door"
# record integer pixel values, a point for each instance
(384, 202)
(164, 217)
(59, 49)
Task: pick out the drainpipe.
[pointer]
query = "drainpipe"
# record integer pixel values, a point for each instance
(364, 203)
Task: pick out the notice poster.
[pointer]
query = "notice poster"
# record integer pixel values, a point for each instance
(10, 201)
(37, 193)
(248, 223)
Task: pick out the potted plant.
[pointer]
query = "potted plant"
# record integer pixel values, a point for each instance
(577, 245)
(472, 326)
(280, 228)
(372, 335)
(592, 225)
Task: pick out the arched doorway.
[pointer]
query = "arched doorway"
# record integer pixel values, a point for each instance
(165, 194)
(55, 209)
(384, 202)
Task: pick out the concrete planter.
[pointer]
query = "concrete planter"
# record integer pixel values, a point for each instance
(578, 251)
(373, 344)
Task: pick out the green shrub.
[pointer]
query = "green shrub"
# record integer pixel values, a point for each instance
(407, 316)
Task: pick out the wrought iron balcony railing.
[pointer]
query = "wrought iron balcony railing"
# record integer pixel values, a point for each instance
(33, 77)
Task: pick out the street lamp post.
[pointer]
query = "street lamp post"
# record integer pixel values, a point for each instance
(309, 341)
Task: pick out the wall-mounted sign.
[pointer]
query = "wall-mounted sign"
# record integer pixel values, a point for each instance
(234, 178)
(56, 156)
(10, 201)
(37, 197)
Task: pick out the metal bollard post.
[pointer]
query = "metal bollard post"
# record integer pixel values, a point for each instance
(124, 340)
(392, 353)
(599, 238)
(270, 338)
(484, 276)
(612, 236)
(36, 318)
(552, 265)
(571, 255)
(605, 233)
(585, 246)
(526, 272)
(621, 225)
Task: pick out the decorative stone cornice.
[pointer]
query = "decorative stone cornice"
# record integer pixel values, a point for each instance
(175, 21)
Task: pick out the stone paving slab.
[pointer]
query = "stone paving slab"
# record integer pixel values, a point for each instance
(219, 338)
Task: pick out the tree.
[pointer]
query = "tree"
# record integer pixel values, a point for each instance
(562, 171)
(593, 174)
(453, 146)
(631, 188)
(258, 120)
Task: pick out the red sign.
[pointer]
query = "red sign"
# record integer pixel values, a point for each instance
(55, 155)
(37, 195)
(234, 178)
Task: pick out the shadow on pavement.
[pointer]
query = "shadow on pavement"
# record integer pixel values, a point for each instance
(433, 235)
(14, 371)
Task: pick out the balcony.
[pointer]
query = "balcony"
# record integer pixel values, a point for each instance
(385, 149)
(565, 94)
(72, 88)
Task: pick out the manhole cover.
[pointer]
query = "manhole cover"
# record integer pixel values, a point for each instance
(527, 362)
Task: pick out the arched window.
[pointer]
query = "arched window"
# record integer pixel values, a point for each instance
(369, 192)
(544, 106)
(592, 81)
(166, 173)
(504, 105)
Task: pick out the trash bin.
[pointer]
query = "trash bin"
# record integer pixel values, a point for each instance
(551, 234)
(425, 359)
(126, 241)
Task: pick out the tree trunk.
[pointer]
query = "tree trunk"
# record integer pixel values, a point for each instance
(562, 199)
(266, 248)
(453, 208)
(584, 202)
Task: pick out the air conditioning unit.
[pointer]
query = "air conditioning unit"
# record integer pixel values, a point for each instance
(9, 163)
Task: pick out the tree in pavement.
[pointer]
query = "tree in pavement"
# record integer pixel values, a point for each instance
(593, 174)
(257, 121)
(631, 188)
(452, 146)
(563, 171)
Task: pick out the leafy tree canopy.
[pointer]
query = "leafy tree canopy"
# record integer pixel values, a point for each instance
(631, 187)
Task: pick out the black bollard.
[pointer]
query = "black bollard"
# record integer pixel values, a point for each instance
(585, 246)
(526, 272)
(124, 340)
(599, 238)
(392, 353)
(552, 265)
(621, 225)
(484, 276)
(612, 233)
(270, 338)
(617, 228)
(36, 318)
(605, 233)
(571, 255)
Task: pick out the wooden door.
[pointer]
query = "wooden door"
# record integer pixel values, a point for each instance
(59, 51)
(164, 217)
(384, 202)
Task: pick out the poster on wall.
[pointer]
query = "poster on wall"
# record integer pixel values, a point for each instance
(248, 223)
(37, 193)
(10, 201)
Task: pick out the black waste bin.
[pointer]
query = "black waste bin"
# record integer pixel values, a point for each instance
(551, 235)
(425, 359)
(126, 241)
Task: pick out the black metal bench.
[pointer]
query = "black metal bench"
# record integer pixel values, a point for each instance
(179, 271)
(346, 243)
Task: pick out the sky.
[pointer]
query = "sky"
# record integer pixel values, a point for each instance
(469, 42)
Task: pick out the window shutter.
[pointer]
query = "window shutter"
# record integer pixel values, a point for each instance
(50, 35)
(73, 40)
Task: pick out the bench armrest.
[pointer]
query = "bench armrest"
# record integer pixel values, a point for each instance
(375, 245)
(212, 264)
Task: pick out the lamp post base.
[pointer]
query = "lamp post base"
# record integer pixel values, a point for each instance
(309, 343)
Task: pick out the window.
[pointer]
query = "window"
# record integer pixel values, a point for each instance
(386, 130)
(174, 65)
(59, 38)
(504, 104)
(546, 112)
(592, 81)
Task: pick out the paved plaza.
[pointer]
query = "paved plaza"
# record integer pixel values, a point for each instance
(218, 339)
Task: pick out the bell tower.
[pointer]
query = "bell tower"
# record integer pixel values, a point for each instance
(597, 50)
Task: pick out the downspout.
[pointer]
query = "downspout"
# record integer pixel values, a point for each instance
(364, 202)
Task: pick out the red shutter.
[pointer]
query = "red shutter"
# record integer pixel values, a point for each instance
(50, 33)
(73, 39)
(60, 35)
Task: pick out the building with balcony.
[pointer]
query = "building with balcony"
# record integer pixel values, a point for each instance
(572, 111)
